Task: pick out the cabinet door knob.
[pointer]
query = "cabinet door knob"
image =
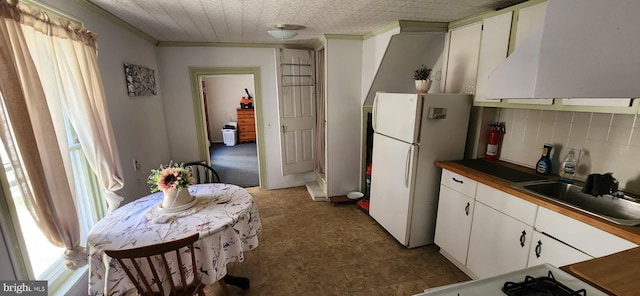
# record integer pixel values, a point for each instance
(458, 181)
(523, 238)
(538, 249)
(466, 209)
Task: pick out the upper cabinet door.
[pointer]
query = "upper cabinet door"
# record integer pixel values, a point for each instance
(493, 50)
(602, 102)
(462, 60)
(529, 19)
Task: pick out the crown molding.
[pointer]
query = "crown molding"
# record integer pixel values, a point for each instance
(418, 26)
(388, 27)
(116, 20)
(343, 36)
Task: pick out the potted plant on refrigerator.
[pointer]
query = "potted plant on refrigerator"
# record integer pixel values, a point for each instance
(422, 79)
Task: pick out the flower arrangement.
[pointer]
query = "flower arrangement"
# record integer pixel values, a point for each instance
(172, 176)
(422, 73)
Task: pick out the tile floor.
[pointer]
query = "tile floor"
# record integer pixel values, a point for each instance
(314, 248)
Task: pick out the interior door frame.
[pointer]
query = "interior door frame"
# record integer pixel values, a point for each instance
(195, 74)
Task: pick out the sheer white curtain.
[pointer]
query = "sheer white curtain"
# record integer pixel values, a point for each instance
(70, 51)
(32, 46)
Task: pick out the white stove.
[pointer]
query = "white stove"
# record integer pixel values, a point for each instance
(520, 280)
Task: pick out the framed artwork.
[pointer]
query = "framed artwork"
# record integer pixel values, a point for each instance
(141, 81)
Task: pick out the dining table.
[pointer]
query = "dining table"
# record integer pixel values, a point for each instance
(225, 216)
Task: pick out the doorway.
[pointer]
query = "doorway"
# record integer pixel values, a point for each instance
(217, 95)
(232, 154)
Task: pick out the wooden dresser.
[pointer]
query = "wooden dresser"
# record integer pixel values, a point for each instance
(246, 125)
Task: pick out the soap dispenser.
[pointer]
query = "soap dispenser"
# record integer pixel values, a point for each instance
(569, 165)
(543, 166)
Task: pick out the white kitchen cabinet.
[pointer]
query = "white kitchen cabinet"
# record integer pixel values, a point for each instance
(459, 183)
(598, 102)
(508, 204)
(498, 243)
(494, 46)
(529, 19)
(546, 249)
(455, 213)
(453, 225)
(584, 237)
(462, 59)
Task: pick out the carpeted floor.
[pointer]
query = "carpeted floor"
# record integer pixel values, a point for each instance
(314, 248)
(236, 164)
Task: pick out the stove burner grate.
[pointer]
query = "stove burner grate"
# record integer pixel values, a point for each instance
(545, 285)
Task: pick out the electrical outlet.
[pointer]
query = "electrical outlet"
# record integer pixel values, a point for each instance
(136, 165)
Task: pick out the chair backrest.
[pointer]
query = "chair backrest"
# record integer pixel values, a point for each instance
(154, 258)
(203, 173)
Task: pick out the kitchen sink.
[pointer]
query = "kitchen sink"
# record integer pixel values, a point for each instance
(620, 208)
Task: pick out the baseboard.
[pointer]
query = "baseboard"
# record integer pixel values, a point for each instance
(315, 191)
(458, 265)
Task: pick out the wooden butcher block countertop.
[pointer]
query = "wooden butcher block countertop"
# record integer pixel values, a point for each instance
(616, 274)
(627, 232)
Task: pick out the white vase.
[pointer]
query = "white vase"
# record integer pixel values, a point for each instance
(422, 86)
(176, 198)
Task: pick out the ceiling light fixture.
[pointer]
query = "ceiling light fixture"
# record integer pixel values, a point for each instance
(283, 32)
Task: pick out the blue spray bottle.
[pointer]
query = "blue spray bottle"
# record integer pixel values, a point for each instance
(544, 164)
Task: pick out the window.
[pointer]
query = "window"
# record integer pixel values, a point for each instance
(41, 259)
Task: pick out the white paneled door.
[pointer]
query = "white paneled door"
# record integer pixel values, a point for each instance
(297, 110)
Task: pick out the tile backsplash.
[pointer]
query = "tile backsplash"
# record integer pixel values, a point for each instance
(609, 142)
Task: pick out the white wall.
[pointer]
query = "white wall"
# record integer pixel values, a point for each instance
(174, 71)
(373, 50)
(223, 99)
(395, 73)
(343, 108)
(610, 142)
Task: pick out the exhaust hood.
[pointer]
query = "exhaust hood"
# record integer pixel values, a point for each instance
(584, 49)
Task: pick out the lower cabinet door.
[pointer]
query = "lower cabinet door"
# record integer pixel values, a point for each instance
(453, 225)
(545, 249)
(498, 243)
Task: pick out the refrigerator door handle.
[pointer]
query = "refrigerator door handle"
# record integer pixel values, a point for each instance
(407, 167)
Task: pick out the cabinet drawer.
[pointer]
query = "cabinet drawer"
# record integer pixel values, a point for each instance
(513, 206)
(247, 128)
(245, 115)
(246, 121)
(584, 237)
(248, 136)
(459, 183)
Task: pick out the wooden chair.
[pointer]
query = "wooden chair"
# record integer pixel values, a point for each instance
(154, 258)
(203, 173)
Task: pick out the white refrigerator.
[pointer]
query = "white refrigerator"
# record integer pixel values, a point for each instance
(413, 131)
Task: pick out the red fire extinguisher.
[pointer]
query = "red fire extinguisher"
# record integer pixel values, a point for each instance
(493, 143)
